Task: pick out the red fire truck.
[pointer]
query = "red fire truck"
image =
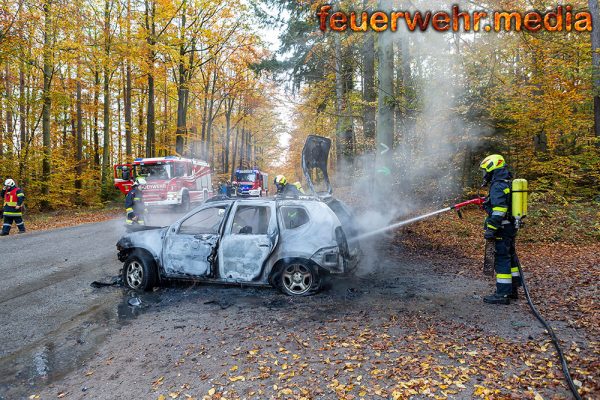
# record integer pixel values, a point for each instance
(251, 182)
(170, 181)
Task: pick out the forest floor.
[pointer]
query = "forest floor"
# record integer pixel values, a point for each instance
(41, 221)
(412, 326)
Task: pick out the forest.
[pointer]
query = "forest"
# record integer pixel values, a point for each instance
(442, 101)
(87, 84)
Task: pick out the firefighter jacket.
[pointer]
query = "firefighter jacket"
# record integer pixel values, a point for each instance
(134, 202)
(497, 204)
(13, 198)
(290, 190)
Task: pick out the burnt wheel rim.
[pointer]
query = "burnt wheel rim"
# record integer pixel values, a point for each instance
(135, 274)
(297, 278)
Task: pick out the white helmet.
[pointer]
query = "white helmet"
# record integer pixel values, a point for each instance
(9, 182)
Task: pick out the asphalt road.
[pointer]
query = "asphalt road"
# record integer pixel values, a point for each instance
(51, 318)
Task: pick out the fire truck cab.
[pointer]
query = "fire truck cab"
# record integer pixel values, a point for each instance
(170, 181)
(251, 182)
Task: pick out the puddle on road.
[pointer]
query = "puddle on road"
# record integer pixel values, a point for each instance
(65, 349)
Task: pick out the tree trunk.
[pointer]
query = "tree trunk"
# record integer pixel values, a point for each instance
(106, 90)
(368, 83)
(127, 100)
(242, 149)
(150, 115)
(22, 100)
(385, 106)
(10, 128)
(96, 101)
(235, 144)
(204, 116)
(47, 103)
(79, 137)
(595, 34)
(344, 121)
(181, 89)
(141, 127)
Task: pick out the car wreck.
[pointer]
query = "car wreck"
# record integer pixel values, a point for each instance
(289, 243)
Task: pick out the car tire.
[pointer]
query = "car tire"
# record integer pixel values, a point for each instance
(298, 278)
(139, 272)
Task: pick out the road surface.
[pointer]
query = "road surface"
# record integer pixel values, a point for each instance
(63, 338)
(52, 319)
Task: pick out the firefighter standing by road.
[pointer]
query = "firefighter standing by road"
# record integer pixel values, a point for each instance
(134, 203)
(13, 207)
(284, 188)
(500, 227)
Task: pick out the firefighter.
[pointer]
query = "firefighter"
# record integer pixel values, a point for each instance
(299, 187)
(500, 227)
(134, 204)
(13, 207)
(284, 188)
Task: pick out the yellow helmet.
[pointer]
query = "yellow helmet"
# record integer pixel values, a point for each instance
(280, 180)
(492, 162)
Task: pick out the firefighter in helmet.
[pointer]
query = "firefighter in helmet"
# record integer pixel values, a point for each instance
(134, 203)
(299, 187)
(500, 227)
(13, 207)
(284, 188)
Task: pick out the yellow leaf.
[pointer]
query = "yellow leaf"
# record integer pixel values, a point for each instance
(538, 397)
(237, 378)
(234, 368)
(211, 391)
(162, 397)
(174, 395)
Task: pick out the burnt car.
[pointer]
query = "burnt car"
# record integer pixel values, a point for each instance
(289, 243)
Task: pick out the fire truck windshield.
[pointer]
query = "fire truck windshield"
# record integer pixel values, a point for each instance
(246, 176)
(154, 171)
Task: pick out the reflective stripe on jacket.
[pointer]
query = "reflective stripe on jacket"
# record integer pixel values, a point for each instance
(497, 204)
(13, 198)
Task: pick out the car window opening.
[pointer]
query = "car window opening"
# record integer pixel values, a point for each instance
(294, 217)
(206, 221)
(251, 220)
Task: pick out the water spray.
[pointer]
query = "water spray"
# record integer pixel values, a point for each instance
(478, 201)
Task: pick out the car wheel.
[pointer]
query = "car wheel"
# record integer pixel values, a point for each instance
(139, 272)
(298, 278)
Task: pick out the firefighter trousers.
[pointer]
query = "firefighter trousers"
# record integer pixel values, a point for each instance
(8, 221)
(506, 261)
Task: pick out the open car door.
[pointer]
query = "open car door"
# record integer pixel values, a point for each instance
(315, 156)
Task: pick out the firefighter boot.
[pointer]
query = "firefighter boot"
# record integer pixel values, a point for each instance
(514, 295)
(496, 299)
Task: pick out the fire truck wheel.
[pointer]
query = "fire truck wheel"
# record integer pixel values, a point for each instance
(185, 202)
(298, 278)
(139, 271)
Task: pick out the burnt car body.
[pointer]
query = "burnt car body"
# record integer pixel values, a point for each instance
(289, 243)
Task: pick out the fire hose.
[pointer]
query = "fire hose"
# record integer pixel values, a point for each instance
(479, 201)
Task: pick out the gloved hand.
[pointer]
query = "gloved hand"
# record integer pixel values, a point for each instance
(489, 233)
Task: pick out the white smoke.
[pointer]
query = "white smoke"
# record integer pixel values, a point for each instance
(431, 138)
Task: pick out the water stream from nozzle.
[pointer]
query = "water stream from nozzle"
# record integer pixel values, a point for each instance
(398, 224)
